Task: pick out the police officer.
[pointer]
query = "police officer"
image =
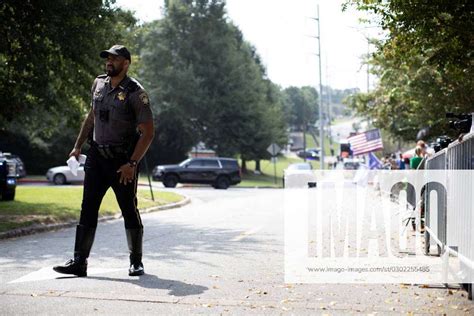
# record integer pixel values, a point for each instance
(120, 129)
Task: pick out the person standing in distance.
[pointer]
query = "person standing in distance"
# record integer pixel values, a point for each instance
(120, 129)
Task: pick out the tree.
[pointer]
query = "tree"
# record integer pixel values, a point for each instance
(424, 65)
(301, 106)
(203, 72)
(49, 57)
(337, 100)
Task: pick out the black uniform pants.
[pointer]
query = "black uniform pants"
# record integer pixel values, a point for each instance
(100, 175)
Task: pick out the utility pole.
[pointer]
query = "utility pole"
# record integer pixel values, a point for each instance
(321, 119)
(304, 140)
(368, 56)
(329, 101)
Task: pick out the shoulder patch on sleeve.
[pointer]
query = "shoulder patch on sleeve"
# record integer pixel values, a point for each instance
(144, 98)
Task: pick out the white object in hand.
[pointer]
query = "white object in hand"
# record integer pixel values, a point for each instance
(73, 164)
(472, 124)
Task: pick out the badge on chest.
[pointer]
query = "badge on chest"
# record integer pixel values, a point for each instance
(121, 96)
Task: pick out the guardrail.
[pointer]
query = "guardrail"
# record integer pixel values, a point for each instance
(452, 228)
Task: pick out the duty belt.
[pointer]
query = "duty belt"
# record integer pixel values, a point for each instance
(111, 151)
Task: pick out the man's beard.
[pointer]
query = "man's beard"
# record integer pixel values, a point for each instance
(112, 71)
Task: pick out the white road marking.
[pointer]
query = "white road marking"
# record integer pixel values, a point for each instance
(247, 233)
(48, 274)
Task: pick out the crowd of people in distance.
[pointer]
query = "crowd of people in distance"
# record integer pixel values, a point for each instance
(398, 162)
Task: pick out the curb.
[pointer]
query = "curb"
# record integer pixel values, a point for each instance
(257, 187)
(75, 183)
(35, 229)
(26, 180)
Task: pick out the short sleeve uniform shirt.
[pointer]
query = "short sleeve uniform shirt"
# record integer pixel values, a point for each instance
(118, 111)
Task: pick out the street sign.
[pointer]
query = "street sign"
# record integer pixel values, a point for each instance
(273, 149)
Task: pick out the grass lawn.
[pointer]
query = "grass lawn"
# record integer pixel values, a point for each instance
(327, 148)
(47, 205)
(36, 177)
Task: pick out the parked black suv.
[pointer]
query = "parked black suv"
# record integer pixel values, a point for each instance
(7, 178)
(219, 172)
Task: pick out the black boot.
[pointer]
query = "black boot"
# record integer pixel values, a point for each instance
(135, 245)
(78, 265)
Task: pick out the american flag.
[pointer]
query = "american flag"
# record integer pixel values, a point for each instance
(366, 142)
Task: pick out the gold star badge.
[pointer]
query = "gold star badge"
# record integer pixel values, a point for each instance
(121, 96)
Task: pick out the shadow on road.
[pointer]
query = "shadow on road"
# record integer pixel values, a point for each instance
(149, 281)
(168, 242)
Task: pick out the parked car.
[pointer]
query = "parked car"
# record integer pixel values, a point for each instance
(7, 179)
(218, 172)
(298, 175)
(20, 170)
(351, 164)
(310, 153)
(62, 175)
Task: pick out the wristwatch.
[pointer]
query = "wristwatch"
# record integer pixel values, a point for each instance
(132, 163)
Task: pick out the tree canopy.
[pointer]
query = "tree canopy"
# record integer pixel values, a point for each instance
(49, 58)
(206, 79)
(301, 106)
(425, 65)
(206, 82)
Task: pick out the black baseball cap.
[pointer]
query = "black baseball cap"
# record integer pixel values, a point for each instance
(118, 50)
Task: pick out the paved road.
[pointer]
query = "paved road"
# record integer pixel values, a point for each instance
(342, 130)
(223, 253)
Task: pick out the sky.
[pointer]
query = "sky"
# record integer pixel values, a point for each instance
(283, 33)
